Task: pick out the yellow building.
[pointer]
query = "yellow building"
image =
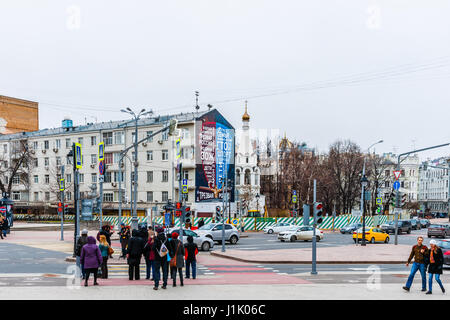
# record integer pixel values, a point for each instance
(18, 115)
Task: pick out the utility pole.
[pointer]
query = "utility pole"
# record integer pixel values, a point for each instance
(313, 267)
(62, 188)
(224, 209)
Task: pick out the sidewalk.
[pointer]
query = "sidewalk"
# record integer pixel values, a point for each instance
(349, 254)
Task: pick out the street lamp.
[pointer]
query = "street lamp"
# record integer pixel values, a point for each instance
(257, 202)
(364, 183)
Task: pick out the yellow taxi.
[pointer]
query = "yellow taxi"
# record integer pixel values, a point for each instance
(373, 235)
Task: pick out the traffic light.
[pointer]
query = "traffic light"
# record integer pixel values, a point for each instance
(60, 208)
(187, 215)
(178, 205)
(393, 199)
(218, 213)
(66, 209)
(379, 209)
(318, 212)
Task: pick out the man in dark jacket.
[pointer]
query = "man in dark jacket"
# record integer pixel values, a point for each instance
(80, 243)
(177, 255)
(419, 252)
(106, 231)
(191, 251)
(5, 226)
(134, 254)
(124, 236)
(160, 250)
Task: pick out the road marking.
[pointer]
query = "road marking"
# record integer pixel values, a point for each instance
(209, 273)
(268, 268)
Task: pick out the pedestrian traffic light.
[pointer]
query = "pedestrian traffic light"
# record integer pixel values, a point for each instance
(60, 208)
(318, 212)
(178, 205)
(187, 215)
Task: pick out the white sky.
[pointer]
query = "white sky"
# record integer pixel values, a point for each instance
(391, 60)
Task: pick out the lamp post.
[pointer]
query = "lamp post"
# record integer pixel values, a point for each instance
(364, 183)
(257, 202)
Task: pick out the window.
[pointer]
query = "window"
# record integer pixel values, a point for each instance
(119, 137)
(36, 196)
(47, 196)
(46, 162)
(46, 145)
(108, 158)
(165, 135)
(108, 138)
(186, 174)
(149, 196)
(387, 173)
(386, 184)
(58, 161)
(93, 159)
(116, 156)
(187, 153)
(149, 133)
(150, 155)
(36, 179)
(108, 197)
(35, 146)
(247, 177)
(16, 179)
(165, 155)
(165, 176)
(80, 141)
(185, 133)
(165, 196)
(116, 176)
(150, 176)
(47, 179)
(16, 195)
(69, 178)
(93, 140)
(94, 177)
(107, 177)
(132, 176)
(58, 144)
(68, 196)
(81, 177)
(68, 143)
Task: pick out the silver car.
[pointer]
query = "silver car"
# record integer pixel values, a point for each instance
(214, 232)
(202, 242)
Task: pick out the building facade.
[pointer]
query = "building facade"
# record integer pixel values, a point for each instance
(18, 115)
(434, 185)
(36, 187)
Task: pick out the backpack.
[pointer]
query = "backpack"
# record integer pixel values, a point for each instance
(163, 250)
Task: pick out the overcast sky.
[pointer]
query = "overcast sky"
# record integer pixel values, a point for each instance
(317, 70)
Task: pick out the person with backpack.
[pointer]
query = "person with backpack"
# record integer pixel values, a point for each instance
(176, 252)
(149, 256)
(160, 251)
(190, 253)
(80, 244)
(435, 258)
(91, 258)
(134, 254)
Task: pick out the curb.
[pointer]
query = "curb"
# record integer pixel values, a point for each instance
(305, 261)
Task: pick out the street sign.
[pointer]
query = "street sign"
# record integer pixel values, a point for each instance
(78, 156)
(396, 185)
(294, 199)
(101, 167)
(397, 174)
(184, 189)
(294, 192)
(101, 179)
(178, 144)
(380, 201)
(101, 151)
(62, 185)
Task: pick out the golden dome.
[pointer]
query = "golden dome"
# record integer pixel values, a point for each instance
(285, 143)
(246, 116)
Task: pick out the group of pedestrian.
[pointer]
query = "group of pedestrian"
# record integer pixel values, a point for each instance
(4, 226)
(163, 253)
(424, 258)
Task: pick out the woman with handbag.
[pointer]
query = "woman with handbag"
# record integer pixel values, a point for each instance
(435, 258)
(177, 259)
(106, 251)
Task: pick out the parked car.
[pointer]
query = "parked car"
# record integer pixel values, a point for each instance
(445, 246)
(415, 224)
(425, 223)
(304, 233)
(203, 243)
(282, 226)
(214, 231)
(350, 228)
(438, 230)
(403, 226)
(372, 235)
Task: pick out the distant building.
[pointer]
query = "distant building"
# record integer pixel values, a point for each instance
(18, 115)
(434, 185)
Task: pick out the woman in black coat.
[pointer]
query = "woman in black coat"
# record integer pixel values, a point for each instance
(436, 260)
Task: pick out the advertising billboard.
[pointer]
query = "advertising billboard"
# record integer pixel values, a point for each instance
(214, 158)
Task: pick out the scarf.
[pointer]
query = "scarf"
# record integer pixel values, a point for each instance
(431, 257)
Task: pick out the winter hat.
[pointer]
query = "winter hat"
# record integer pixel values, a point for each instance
(159, 230)
(433, 242)
(175, 235)
(84, 231)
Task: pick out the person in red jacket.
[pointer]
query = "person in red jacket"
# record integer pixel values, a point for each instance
(190, 253)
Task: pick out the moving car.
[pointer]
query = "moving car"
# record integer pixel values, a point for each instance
(425, 223)
(438, 230)
(203, 243)
(282, 226)
(304, 233)
(445, 246)
(415, 224)
(403, 226)
(372, 235)
(350, 228)
(214, 232)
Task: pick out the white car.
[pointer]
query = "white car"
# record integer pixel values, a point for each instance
(304, 233)
(203, 243)
(279, 227)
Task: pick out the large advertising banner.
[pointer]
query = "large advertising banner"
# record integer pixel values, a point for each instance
(214, 158)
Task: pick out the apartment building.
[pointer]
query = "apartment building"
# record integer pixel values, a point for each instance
(434, 185)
